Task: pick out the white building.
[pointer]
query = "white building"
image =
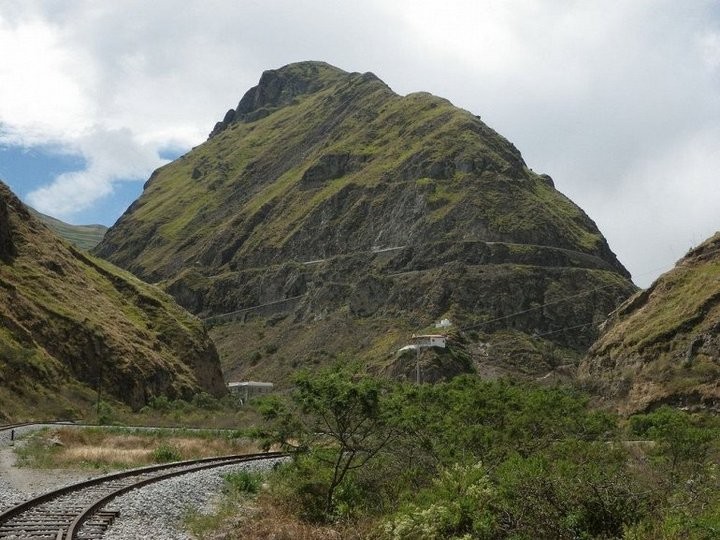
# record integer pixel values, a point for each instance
(429, 340)
(444, 323)
(249, 389)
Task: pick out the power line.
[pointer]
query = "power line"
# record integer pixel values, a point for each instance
(564, 299)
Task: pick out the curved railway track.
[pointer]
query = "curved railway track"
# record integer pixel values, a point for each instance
(76, 511)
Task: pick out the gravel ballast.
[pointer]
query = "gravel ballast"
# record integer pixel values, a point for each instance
(158, 511)
(20, 484)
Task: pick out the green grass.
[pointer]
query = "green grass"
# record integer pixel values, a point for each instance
(82, 236)
(238, 488)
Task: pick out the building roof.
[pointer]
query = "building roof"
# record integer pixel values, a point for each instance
(250, 383)
(428, 336)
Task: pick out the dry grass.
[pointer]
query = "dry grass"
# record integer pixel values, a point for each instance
(266, 518)
(98, 448)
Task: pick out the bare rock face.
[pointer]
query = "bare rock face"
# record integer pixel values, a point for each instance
(71, 324)
(7, 248)
(347, 217)
(662, 346)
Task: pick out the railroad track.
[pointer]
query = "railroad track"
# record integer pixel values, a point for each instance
(7, 427)
(77, 511)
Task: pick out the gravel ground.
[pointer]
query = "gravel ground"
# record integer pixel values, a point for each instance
(19, 484)
(158, 510)
(158, 513)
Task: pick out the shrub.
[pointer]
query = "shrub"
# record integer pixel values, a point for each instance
(455, 506)
(166, 453)
(160, 403)
(243, 482)
(203, 400)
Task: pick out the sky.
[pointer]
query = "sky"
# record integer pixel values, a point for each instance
(617, 100)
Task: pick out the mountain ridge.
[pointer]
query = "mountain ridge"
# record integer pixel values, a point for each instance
(661, 345)
(72, 323)
(83, 236)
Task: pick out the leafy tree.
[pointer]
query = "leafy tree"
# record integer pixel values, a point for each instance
(681, 445)
(337, 416)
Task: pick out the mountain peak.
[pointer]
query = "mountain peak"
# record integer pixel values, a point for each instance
(280, 87)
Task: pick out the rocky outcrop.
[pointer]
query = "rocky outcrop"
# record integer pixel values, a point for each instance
(71, 323)
(277, 88)
(662, 345)
(376, 213)
(7, 248)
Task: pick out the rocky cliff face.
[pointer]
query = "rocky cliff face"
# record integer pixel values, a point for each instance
(71, 322)
(7, 248)
(352, 217)
(662, 346)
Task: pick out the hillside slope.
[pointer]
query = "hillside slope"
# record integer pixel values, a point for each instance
(663, 344)
(83, 236)
(354, 217)
(70, 321)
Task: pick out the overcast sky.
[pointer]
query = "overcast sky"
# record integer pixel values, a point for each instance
(617, 100)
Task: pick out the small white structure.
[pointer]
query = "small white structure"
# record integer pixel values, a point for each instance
(245, 390)
(444, 323)
(429, 340)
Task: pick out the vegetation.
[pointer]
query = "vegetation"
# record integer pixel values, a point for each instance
(472, 459)
(82, 236)
(665, 338)
(113, 448)
(131, 341)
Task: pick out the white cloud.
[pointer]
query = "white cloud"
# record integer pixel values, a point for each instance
(617, 100)
(112, 156)
(42, 92)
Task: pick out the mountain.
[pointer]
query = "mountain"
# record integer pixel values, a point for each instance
(662, 346)
(83, 236)
(71, 321)
(327, 215)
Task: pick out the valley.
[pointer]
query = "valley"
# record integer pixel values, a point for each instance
(447, 345)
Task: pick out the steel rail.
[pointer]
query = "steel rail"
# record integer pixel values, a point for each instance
(181, 467)
(7, 427)
(75, 527)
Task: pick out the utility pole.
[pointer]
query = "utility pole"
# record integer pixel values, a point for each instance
(99, 390)
(417, 363)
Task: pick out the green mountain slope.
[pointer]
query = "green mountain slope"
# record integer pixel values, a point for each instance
(83, 236)
(355, 217)
(662, 346)
(70, 322)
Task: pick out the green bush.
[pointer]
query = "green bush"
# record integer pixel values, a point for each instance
(406, 455)
(243, 482)
(203, 400)
(456, 506)
(106, 414)
(166, 453)
(160, 403)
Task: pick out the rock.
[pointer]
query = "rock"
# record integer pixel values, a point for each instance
(7, 248)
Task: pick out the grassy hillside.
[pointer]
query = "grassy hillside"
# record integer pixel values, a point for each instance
(71, 322)
(82, 236)
(662, 345)
(344, 205)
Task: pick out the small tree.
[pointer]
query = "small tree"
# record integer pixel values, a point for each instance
(336, 416)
